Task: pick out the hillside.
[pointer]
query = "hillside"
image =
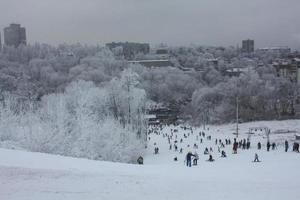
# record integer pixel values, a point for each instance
(36, 176)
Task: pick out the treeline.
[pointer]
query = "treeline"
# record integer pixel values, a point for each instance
(205, 95)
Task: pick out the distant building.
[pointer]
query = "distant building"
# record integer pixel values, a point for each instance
(212, 62)
(153, 63)
(275, 50)
(163, 115)
(288, 68)
(156, 58)
(162, 53)
(130, 49)
(236, 71)
(248, 46)
(14, 35)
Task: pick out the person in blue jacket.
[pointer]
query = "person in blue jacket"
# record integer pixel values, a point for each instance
(189, 156)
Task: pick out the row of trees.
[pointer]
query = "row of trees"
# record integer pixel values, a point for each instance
(259, 98)
(104, 123)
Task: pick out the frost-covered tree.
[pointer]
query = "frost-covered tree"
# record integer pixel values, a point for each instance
(77, 122)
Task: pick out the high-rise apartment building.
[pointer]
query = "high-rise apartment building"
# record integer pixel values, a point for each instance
(14, 35)
(0, 43)
(248, 46)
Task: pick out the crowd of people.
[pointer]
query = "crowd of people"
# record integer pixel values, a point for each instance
(177, 140)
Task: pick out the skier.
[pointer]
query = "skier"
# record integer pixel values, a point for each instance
(256, 158)
(223, 154)
(210, 159)
(206, 151)
(222, 145)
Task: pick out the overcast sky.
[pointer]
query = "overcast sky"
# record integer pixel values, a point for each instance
(175, 22)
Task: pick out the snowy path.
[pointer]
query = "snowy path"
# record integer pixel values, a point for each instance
(36, 176)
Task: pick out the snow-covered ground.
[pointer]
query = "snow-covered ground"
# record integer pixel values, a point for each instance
(37, 176)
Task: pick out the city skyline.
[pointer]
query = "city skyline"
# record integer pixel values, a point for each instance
(212, 23)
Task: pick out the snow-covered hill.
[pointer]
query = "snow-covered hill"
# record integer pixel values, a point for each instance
(37, 176)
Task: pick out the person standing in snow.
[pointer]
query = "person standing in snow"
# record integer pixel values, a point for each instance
(248, 144)
(156, 150)
(189, 156)
(244, 144)
(175, 147)
(223, 154)
(258, 145)
(196, 158)
(140, 160)
(286, 145)
(268, 146)
(273, 146)
(296, 147)
(235, 146)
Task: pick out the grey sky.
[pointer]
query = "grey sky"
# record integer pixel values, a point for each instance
(176, 22)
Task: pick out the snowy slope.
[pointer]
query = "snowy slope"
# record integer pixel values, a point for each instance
(37, 176)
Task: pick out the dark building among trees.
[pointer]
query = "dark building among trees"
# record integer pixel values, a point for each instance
(14, 35)
(130, 49)
(248, 46)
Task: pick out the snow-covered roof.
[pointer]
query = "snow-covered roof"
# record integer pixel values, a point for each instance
(274, 48)
(297, 59)
(138, 61)
(150, 116)
(237, 69)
